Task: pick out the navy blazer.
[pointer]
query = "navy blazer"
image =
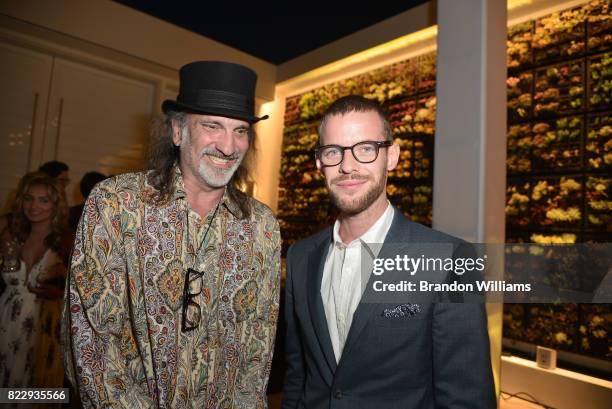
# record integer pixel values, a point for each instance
(437, 358)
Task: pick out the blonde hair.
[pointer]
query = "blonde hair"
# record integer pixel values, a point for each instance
(20, 225)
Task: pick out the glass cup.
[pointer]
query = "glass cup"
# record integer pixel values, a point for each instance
(10, 256)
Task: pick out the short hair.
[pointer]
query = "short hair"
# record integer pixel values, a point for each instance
(88, 181)
(53, 168)
(355, 103)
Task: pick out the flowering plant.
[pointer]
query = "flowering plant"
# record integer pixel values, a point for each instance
(599, 142)
(415, 202)
(314, 103)
(559, 89)
(557, 143)
(558, 325)
(385, 91)
(299, 137)
(518, 54)
(300, 202)
(400, 196)
(519, 45)
(559, 35)
(298, 169)
(402, 170)
(421, 205)
(595, 330)
(426, 72)
(577, 202)
(294, 230)
(549, 325)
(517, 204)
(599, 202)
(519, 96)
(292, 110)
(556, 203)
(401, 116)
(600, 73)
(425, 116)
(399, 75)
(422, 161)
(565, 238)
(519, 145)
(599, 25)
(304, 142)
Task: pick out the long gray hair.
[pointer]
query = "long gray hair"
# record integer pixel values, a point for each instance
(164, 155)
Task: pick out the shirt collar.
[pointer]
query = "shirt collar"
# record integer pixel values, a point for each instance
(179, 193)
(375, 234)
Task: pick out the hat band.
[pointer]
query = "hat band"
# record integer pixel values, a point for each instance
(217, 99)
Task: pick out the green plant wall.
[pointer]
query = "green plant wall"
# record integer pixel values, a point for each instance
(559, 157)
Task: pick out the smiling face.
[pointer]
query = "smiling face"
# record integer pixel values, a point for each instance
(356, 186)
(211, 148)
(37, 205)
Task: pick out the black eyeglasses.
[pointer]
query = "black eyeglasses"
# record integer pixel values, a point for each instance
(192, 314)
(364, 152)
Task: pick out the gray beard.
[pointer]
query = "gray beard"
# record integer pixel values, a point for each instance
(213, 177)
(217, 177)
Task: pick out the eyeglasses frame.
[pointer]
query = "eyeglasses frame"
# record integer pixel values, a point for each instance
(379, 144)
(188, 300)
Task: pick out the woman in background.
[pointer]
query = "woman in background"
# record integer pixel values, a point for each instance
(33, 250)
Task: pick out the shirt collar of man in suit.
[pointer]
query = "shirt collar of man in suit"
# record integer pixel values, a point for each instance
(375, 234)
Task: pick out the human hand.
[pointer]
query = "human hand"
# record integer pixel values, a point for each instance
(46, 290)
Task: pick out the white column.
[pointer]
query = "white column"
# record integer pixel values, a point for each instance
(470, 143)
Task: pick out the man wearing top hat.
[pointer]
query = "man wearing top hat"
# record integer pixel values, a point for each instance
(174, 280)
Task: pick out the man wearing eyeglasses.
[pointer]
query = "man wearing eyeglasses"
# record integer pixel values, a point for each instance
(174, 281)
(342, 352)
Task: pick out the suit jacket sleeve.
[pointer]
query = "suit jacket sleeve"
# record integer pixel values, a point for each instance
(295, 374)
(461, 360)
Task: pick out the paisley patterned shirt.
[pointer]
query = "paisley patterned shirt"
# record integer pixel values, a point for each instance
(122, 319)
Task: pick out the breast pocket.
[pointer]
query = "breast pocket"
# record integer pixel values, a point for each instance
(400, 316)
(399, 323)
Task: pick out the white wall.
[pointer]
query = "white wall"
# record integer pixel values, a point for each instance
(117, 39)
(120, 28)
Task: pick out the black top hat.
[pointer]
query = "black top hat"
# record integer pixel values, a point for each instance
(216, 88)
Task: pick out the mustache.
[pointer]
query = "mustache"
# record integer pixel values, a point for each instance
(344, 178)
(217, 154)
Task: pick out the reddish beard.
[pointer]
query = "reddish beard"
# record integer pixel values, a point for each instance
(355, 205)
(343, 178)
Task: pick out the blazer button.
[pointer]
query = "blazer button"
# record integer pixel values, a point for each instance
(338, 394)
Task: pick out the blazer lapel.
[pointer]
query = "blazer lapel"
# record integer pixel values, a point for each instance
(316, 263)
(398, 232)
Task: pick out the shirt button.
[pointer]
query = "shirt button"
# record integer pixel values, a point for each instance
(341, 318)
(338, 394)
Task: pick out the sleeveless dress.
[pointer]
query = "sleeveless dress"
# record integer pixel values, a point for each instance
(29, 330)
